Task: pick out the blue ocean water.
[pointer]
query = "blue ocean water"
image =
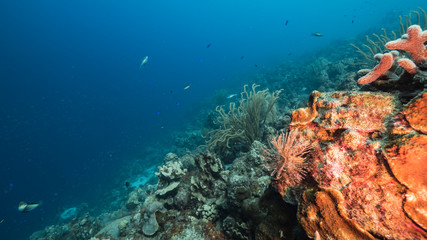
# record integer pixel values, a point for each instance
(75, 106)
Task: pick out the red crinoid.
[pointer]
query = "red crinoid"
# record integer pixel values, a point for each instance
(286, 159)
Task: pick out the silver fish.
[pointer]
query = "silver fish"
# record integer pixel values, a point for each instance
(231, 96)
(143, 62)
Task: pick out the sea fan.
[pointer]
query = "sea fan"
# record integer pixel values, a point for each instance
(286, 159)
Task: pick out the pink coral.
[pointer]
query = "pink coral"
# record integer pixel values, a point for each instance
(414, 45)
(384, 65)
(408, 65)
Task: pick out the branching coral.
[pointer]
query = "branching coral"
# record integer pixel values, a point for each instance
(377, 44)
(243, 124)
(385, 64)
(286, 159)
(412, 43)
(408, 65)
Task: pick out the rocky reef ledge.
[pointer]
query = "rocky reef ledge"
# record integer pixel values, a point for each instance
(365, 179)
(367, 169)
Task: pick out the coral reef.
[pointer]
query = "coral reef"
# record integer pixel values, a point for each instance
(395, 72)
(79, 228)
(349, 165)
(377, 44)
(367, 180)
(324, 211)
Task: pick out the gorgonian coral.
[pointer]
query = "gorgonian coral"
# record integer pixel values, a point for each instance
(243, 123)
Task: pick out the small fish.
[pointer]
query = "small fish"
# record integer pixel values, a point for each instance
(242, 57)
(177, 103)
(352, 21)
(255, 65)
(231, 96)
(26, 207)
(1, 221)
(143, 62)
(187, 87)
(208, 45)
(127, 184)
(286, 23)
(317, 34)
